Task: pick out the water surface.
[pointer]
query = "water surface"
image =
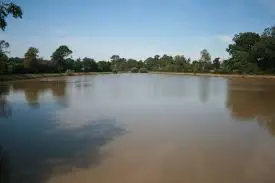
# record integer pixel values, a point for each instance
(138, 128)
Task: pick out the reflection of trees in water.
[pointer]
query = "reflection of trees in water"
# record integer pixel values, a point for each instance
(49, 151)
(5, 109)
(33, 89)
(170, 87)
(5, 172)
(253, 99)
(204, 88)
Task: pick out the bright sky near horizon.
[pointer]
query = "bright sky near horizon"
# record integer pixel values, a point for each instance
(135, 28)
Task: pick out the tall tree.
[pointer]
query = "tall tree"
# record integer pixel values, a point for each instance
(4, 46)
(264, 51)
(243, 42)
(104, 66)
(31, 59)
(3, 57)
(78, 66)
(156, 57)
(89, 65)
(132, 63)
(69, 64)
(216, 63)
(59, 56)
(269, 32)
(114, 60)
(3, 60)
(195, 66)
(205, 59)
(115, 57)
(245, 51)
(7, 9)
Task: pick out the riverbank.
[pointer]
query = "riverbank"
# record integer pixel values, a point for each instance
(219, 75)
(38, 76)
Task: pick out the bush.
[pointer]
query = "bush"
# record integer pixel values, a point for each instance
(114, 71)
(134, 70)
(69, 72)
(143, 70)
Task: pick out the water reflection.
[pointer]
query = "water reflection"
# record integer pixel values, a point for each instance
(180, 129)
(45, 147)
(33, 89)
(204, 89)
(46, 150)
(5, 110)
(253, 100)
(5, 173)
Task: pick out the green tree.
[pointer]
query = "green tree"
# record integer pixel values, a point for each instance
(243, 42)
(15, 65)
(3, 60)
(4, 46)
(78, 66)
(9, 9)
(195, 66)
(59, 56)
(114, 61)
(69, 64)
(131, 63)
(115, 58)
(243, 59)
(165, 63)
(156, 57)
(89, 65)
(149, 64)
(143, 70)
(216, 63)
(3, 57)
(104, 66)
(269, 32)
(205, 59)
(6, 9)
(31, 59)
(179, 63)
(263, 52)
(250, 52)
(134, 70)
(119, 64)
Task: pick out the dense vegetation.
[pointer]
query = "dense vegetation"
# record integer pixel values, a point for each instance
(250, 53)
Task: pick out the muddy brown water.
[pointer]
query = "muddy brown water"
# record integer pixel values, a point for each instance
(138, 128)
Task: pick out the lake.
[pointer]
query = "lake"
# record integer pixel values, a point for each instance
(138, 128)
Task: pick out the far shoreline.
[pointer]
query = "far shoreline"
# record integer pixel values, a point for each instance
(250, 76)
(23, 77)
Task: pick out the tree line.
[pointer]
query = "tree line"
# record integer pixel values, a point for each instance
(250, 53)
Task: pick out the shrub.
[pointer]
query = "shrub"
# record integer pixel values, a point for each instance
(143, 70)
(114, 71)
(134, 70)
(69, 72)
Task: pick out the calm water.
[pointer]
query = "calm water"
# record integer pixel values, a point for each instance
(138, 129)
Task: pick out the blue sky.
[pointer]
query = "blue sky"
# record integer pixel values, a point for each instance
(135, 28)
